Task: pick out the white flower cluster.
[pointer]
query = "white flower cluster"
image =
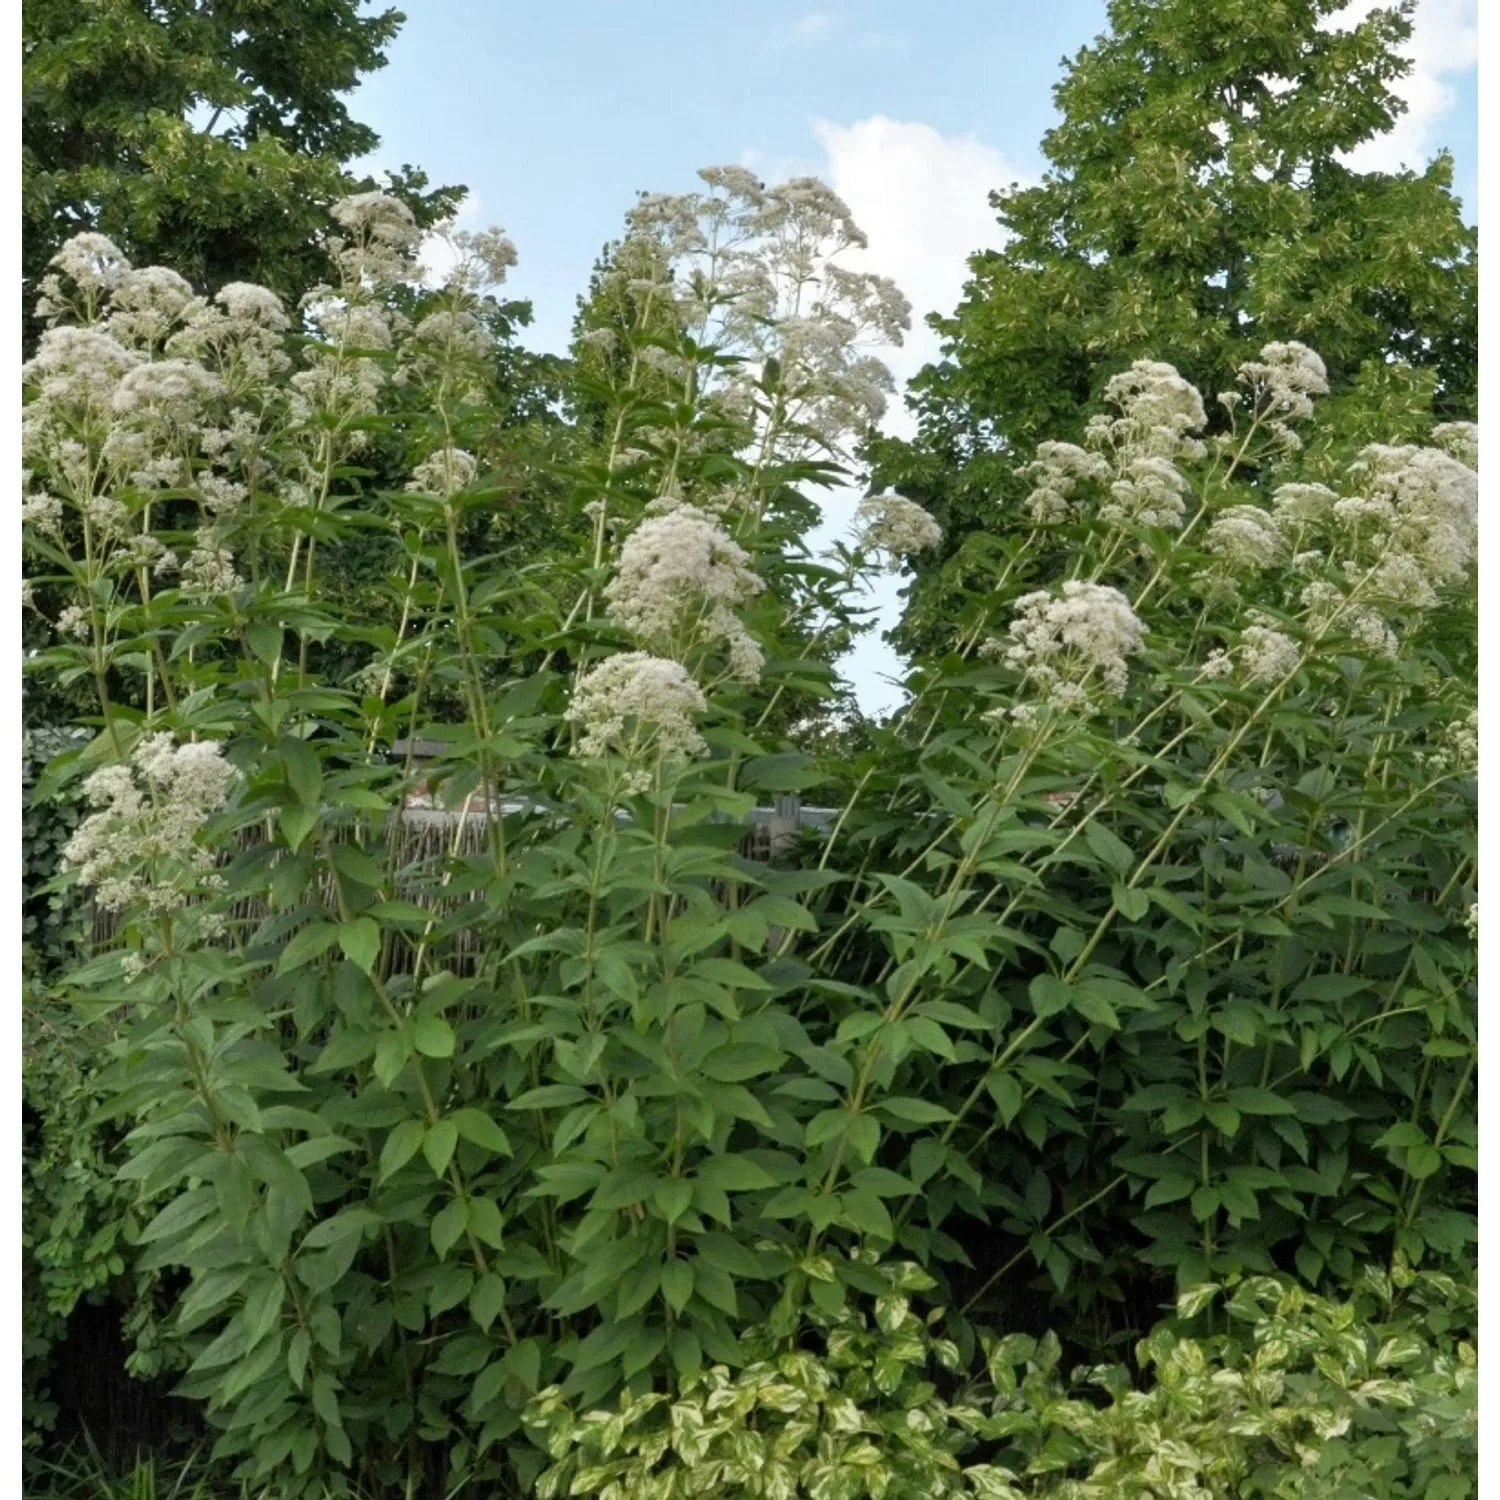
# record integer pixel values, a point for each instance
(1267, 655)
(1330, 611)
(679, 578)
(1056, 473)
(1302, 505)
(1136, 453)
(752, 271)
(382, 237)
(892, 523)
(75, 373)
(1427, 503)
(1282, 383)
(1245, 536)
(1458, 440)
(82, 273)
(240, 335)
(640, 707)
(1149, 493)
(1159, 413)
(1066, 643)
(148, 305)
(1457, 750)
(247, 303)
(142, 841)
(209, 570)
(166, 393)
(478, 259)
(444, 473)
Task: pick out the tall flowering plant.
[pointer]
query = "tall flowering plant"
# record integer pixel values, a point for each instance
(1135, 949)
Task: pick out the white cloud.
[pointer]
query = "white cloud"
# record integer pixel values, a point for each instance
(1444, 41)
(814, 23)
(923, 200)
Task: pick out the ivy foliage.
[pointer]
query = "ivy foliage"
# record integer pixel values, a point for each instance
(1299, 1396)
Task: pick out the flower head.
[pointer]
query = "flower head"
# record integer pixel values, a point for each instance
(1283, 382)
(679, 578)
(894, 524)
(1159, 413)
(444, 473)
(166, 393)
(641, 707)
(1056, 472)
(1149, 493)
(1245, 536)
(1065, 644)
(1267, 655)
(245, 302)
(147, 304)
(142, 840)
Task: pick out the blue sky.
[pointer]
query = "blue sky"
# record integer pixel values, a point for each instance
(554, 115)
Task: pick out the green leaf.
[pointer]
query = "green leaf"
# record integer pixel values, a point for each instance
(486, 1300)
(733, 1174)
(400, 1146)
(915, 1111)
(1169, 1189)
(269, 1163)
(549, 1096)
(674, 1198)
(263, 1310)
(1132, 904)
(737, 1061)
(432, 1036)
(677, 1284)
(864, 1210)
(1049, 994)
(1422, 1161)
(297, 820)
(883, 1183)
(264, 641)
(1254, 1101)
(729, 972)
(392, 1053)
(324, 1400)
(360, 940)
(1108, 846)
(486, 1223)
(624, 1187)
(1006, 1093)
(438, 1144)
(729, 1255)
(714, 1287)
(314, 939)
(304, 772)
(448, 1227)
(476, 1126)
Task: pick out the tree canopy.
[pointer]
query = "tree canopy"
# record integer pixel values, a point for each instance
(207, 137)
(1198, 206)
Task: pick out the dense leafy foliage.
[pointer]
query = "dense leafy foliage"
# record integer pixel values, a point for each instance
(1135, 954)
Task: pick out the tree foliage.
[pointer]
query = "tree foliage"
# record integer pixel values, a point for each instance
(1196, 200)
(211, 138)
